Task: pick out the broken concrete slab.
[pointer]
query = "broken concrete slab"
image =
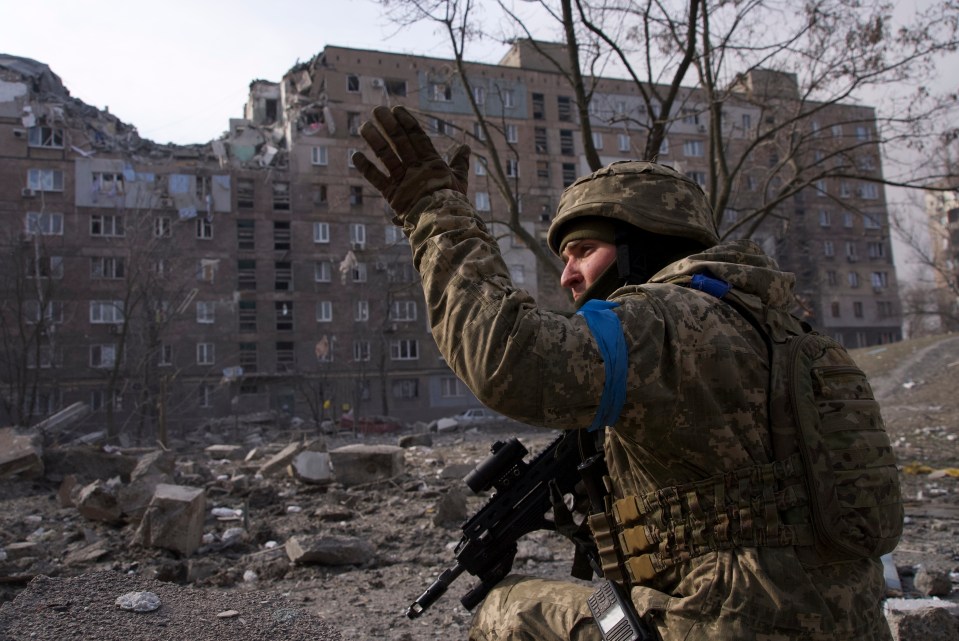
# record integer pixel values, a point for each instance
(174, 519)
(20, 453)
(226, 452)
(414, 440)
(87, 463)
(278, 462)
(63, 419)
(931, 582)
(97, 501)
(328, 550)
(361, 464)
(922, 619)
(312, 467)
(154, 463)
(23, 549)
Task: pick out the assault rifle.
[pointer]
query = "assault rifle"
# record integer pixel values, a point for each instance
(518, 507)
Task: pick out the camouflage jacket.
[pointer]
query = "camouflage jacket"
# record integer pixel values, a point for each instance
(696, 407)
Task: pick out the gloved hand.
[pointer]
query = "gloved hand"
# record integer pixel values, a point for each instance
(415, 167)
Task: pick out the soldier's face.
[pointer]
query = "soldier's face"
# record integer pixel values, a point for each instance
(586, 260)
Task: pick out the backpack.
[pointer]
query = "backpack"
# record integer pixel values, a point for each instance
(823, 409)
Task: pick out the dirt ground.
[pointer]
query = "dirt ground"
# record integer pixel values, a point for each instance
(412, 521)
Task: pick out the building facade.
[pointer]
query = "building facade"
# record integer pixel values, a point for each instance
(169, 285)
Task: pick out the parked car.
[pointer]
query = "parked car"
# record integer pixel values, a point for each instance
(463, 420)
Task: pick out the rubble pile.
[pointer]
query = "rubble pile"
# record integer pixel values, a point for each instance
(352, 528)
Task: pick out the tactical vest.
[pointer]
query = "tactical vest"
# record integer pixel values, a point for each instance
(831, 491)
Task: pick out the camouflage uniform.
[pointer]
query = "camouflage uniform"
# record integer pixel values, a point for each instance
(696, 407)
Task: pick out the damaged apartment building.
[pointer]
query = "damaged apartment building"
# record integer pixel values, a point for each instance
(169, 285)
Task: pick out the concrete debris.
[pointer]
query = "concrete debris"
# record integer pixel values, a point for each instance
(932, 582)
(20, 453)
(922, 619)
(361, 464)
(174, 519)
(312, 467)
(415, 440)
(64, 419)
(279, 462)
(227, 452)
(327, 550)
(98, 502)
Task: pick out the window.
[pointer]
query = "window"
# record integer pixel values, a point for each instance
(352, 83)
(204, 228)
(395, 87)
(828, 248)
(694, 148)
(282, 276)
(324, 311)
(518, 274)
(45, 137)
(281, 235)
(482, 201)
(246, 316)
(884, 309)
(452, 387)
(406, 388)
(322, 271)
(106, 311)
(871, 222)
(821, 187)
(205, 395)
(248, 359)
(246, 274)
(747, 122)
(837, 131)
(512, 168)
(45, 179)
(284, 315)
(834, 308)
(441, 92)
(361, 350)
(109, 183)
(106, 225)
(825, 218)
(319, 156)
(624, 142)
(204, 190)
(356, 195)
(281, 196)
(569, 174)
(403, 310)
(361, 311)
(44, 224)
(357, 236)
(206, 269)
(393, 235)
(285, 356)
(690, 117)
(102, 356)
(699, 177)
(479, 95)
(99, 399)
(205, 311)
(162, 227)
(597, 140)
(566, 145)
(359, 273)
(480, 166)
(205, 353)
(851, 253)
(880, 280)
(832, 278)
(44, 357)
(539, 106)
(512, 133)
(320, 197)
(353, 122)
(45, 267)
(404, 350)
(439, 126)
(565, 108)
(478, 132)
(844, 191)
(542, 171)
(869, 191)
(246, 235)
(321, 233)
(664, 147)
(244, 193)
(540, 140)
(862, 133)
(847, 220)
(508, 100)
(165, 355)
(106, 267)
(857, 309)
(854, 279)
(876, 250)
(52, 312)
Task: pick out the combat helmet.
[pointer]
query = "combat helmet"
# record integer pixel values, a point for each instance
(652, 197)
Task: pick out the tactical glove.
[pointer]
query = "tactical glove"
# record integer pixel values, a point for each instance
(415, 167)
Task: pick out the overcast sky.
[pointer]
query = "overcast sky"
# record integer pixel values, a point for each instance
(179, 70)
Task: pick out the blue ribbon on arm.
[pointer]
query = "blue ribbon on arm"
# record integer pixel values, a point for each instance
(608, 332)
(710, 285)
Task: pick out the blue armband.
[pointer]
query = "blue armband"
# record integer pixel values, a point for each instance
(608, 332)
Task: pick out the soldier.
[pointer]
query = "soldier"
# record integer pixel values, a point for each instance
(675, 380)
